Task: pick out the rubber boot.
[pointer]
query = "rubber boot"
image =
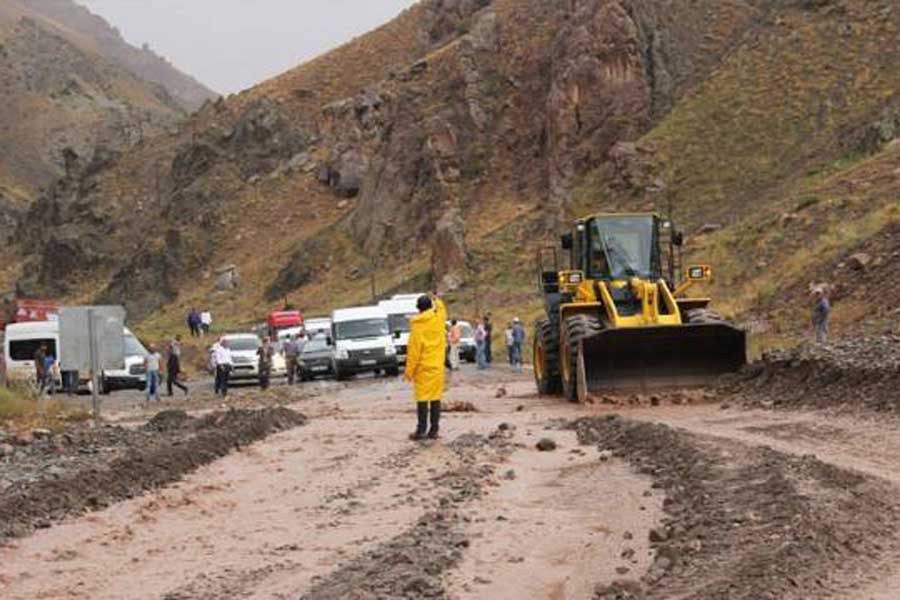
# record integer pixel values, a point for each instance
(435, 410)
(422, 425)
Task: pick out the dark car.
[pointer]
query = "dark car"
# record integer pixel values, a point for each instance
(316, 359)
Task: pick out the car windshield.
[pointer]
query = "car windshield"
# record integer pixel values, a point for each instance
(363, 328)
(243, 344)
(399, 323)
(318, 344)
(467, 331)
(624, 247)
(134, 347)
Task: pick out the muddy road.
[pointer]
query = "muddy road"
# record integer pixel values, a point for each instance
(692, 498)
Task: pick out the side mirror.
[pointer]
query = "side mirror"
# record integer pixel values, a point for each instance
(567, 241)
(397, 334)
(329, 341)
(678, 239)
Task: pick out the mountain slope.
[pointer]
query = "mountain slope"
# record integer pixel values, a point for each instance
(442, 148)
(60, 101)
(86, 29)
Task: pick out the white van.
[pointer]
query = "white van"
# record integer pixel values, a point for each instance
(317, 325)
(134, 375)
(22, 341)
(399, 313)
(362, 342)
(407, 297)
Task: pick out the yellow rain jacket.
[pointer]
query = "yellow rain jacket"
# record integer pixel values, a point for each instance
(427, 351)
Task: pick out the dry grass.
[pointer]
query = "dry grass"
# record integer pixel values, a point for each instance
(23, 410)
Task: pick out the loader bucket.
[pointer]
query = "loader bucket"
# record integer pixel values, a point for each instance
(654, 357)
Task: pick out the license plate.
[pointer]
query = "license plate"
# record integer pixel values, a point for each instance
(320, 368)
(368, 363)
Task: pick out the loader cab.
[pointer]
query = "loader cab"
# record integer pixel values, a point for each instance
(618, 247)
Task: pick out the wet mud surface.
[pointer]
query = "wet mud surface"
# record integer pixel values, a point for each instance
(748, 522)
(55, 476)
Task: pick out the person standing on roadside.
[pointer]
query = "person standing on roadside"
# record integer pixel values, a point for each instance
(193, 322)
(151, 366)
(48, 384)
(454, 338)
(508, 335)
(821, 312)
(265, 353)
(39, 373)
(489, 332)
(518, 333)
(206, 322)
(223, 363)
(425, 359)
(292, 358)
(173, 368)
(480, 337)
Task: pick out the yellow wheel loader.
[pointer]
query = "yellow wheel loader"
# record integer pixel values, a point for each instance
(615, 320)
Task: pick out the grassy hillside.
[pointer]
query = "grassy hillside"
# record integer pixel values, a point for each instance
(476, 130)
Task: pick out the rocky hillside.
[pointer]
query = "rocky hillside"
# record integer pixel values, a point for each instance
(94, 32)
(445, 146)
(70, 84)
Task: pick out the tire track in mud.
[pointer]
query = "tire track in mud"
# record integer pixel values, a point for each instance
(408, 565)
(411, 565)
(748, 522)
(179, 445)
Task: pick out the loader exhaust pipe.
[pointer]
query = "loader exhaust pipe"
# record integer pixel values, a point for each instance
(647, 358)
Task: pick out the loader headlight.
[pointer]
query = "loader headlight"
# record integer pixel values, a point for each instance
(575, 278)
(699, 273)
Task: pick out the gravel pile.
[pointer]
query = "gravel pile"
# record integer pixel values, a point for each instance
(852, 374)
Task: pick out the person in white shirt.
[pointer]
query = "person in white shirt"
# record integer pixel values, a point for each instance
(151, 366)
(205, 321)
(223, 363)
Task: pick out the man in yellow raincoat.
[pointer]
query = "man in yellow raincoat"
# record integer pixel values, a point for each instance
(425, 359)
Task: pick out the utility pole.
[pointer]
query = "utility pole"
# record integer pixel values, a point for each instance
(372, 266)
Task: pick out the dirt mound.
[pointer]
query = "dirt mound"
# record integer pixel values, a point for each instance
(167, 420)
(859, 373)
(747, 522)
(119, 463)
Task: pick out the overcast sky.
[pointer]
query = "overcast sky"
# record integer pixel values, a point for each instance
(230, 45)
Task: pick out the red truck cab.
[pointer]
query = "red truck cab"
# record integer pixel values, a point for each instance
(283, 319)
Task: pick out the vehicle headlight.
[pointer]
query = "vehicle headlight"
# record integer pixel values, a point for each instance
(341, 354)
(391, 350)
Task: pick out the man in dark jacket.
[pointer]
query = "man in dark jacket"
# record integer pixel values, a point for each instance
(489, 330)
(821, 312)
(173, 367)
(40, 357)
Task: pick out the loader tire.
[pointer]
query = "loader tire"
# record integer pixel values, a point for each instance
(704, 316)
(577, 328)
(546, 358)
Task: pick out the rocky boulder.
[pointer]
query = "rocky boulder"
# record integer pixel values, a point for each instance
(227, 278)
(448, 252)
(599, 90)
